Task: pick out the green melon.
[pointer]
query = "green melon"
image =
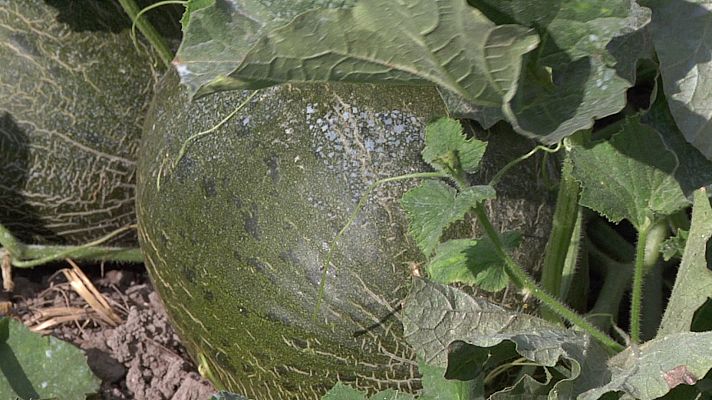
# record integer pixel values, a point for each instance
(236, 231)
(73, 90)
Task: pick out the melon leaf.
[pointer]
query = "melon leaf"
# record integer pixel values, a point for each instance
(458, 107)
(435, 316)
(526, 387)
(573, 77)
(472, 262)
(40, 367)
(447, 148)
(693, 285)
(434, 205)
(682, 35)
(654, 368)
(695, 170)
(218, 36)
(435, 387)
(445, 42)
(630, 176)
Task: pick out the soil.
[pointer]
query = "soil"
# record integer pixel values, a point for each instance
(140, 358)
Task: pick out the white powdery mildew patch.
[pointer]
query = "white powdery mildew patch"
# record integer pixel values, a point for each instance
(364, 144)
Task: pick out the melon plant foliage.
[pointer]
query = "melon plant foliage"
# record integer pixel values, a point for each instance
(559, 72)
(619, 92)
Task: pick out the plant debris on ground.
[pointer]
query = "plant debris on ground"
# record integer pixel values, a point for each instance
(139, 357)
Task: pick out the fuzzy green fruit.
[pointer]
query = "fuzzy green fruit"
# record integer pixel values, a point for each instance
(236, 226)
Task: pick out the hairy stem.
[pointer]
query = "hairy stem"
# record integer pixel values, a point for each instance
(566, 216)
(636, 300)
(571, 262)
(9, 242)
(29, 256)
(652, 313)
(39, 254)
(153, 37)
(524, 281)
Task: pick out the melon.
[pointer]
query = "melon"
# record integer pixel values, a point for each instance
(237, 219)
(73, 90)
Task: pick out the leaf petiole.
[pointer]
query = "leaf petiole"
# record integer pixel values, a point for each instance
(147, 29)
(29, 256)
(521, 158)
(524, 281)
(636, 300)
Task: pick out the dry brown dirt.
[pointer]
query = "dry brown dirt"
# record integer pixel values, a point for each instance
(140, 358)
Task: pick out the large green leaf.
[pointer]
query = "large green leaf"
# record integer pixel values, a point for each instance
(573, 77)
(695, 170)
(458, 107)
(436, 387)
(682, 35)
(218, 35)
(649, 371)
(435, 316)
(693, 285)
(445, 42)
(629, 176)
(526, 388)
(40, 367)
(433, 206)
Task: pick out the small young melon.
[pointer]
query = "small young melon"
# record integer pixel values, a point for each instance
(236, 224)
(73, 90)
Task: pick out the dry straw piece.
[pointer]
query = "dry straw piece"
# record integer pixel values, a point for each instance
(83, 286)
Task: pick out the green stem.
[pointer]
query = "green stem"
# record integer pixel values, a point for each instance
(28, 256)
(9, 242)
(566, 216)
(571, 267)
(610, 241)
(156, 40)
(519, 159)
(636, 300)
(43, 254)
(653, 294)
(615, 284)
(576, 281)
(524, 281)
(652, 271)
